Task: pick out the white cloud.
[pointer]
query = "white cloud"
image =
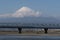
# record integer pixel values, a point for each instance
(23, 12)
(5, 15)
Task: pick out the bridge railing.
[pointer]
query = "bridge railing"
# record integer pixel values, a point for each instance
(30, 24)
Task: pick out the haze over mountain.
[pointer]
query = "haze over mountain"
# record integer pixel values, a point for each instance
(26, 15)
(22, 12)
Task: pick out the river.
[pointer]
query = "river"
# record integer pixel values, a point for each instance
(22, 37)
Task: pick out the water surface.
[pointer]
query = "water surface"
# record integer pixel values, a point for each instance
(22, 37)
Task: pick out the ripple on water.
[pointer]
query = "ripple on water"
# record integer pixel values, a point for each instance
(2, 37)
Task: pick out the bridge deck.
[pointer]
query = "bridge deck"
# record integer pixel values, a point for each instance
(29, 27)
(40, 26)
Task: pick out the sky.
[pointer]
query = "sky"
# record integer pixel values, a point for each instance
(46, 8)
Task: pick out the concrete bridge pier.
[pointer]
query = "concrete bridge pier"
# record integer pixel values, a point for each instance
(46, 30)
(20, 29)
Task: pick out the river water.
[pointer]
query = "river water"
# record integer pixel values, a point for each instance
(22, 37)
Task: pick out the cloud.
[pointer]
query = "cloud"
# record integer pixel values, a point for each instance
(5, 15)
(23, 12)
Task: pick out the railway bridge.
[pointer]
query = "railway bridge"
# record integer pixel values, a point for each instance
(30, 25)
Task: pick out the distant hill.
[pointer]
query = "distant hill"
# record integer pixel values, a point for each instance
(30, 20)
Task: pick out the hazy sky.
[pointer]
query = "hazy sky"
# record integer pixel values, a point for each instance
(46, 7)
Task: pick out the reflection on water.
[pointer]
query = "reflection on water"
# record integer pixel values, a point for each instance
(15, 37)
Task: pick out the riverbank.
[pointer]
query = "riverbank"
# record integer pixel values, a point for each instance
(30, 33)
